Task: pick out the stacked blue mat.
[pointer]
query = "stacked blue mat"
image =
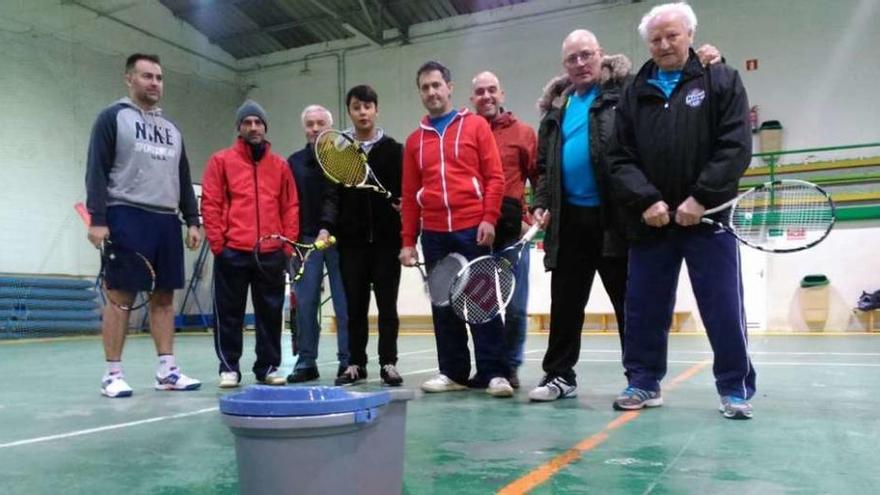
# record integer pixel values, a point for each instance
(34, 307)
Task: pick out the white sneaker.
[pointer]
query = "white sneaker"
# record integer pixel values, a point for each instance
(176, 381)
(552, 388)
(228, 379)
(114, 386)
(273, 378)
(441, 383)
(499, 387)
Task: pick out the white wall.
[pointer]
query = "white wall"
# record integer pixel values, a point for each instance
(814, 75)
(62, 65)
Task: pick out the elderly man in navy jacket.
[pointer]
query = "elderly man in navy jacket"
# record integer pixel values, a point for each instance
(682, 142)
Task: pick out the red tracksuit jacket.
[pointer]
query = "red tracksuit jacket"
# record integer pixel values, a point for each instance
(451, 181)
(243, 200)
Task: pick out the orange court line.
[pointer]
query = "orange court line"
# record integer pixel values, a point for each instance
(544, 472)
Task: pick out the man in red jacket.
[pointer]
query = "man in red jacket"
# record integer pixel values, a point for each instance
(248, 192)
(452, 185)
(517, 145)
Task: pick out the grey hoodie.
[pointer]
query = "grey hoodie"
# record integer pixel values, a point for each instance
(137, 158)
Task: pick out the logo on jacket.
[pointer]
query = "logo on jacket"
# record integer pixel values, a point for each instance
(694, 97)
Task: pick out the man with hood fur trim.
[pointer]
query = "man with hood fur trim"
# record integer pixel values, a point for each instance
(573, 199)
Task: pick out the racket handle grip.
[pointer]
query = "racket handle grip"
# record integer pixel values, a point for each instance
(319, 245)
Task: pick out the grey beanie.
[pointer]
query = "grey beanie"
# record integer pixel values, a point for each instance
(250, 108)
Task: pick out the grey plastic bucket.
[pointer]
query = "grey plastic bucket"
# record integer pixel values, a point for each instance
(317, 440)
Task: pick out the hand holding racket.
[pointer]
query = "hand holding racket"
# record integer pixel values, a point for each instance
(482, 289)
(344, 162)
(781, 216)
(124, 273)
(272, 242)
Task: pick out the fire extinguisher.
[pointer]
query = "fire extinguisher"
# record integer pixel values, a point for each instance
(753, 118)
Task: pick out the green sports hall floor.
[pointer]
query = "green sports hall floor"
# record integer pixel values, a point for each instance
(816, 426)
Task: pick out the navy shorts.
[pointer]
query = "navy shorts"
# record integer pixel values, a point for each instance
(157, 236)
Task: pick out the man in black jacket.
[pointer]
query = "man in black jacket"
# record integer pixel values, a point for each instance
(368, 227)
(682, 143)
(574, 190)
(315, 223)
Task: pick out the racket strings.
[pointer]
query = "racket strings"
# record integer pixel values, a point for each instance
(441, 277)
(482, 289)
(341, 159)
(797, 212)
(272, 243)
(129, 272)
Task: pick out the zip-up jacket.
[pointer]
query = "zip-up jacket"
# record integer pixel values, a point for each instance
(243, 200)
(548, 192)
(517, 144)
(695, 143)
(451, 181)
(360, 216)
(137, 158)
(313, 190)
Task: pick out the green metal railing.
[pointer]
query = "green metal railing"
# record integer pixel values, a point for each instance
(772, 157)
(844, 213)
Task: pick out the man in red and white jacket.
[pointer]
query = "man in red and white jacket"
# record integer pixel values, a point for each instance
(453, 184)
(248, 192)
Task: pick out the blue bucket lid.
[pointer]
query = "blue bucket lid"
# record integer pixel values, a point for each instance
(261, 400)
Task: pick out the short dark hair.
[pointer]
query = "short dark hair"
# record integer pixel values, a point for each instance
(134, 57)
(362, 92)
(431, 66)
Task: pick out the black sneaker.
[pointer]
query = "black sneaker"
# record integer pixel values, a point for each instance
(514, 378)
(390, 376)
(303, 375)
(351, 375)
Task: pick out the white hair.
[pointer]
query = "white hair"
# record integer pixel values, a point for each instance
(316, 108)
(681, 9)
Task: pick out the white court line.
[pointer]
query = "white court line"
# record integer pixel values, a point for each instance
(756, 363)
(90, 431)
(752, 353)
(104, 428)
(411, 353)
(60, 436)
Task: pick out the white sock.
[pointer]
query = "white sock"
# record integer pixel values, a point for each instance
(166, 364)
(114, 367)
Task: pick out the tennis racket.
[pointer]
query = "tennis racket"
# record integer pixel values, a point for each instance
(421, 268)
(438, 280)
(273, 242)
(482, 289)
(344, 162)
(781, 216)
(129, 273)
(127, 278)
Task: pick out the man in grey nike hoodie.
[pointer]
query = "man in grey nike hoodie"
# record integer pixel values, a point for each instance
(137, 183)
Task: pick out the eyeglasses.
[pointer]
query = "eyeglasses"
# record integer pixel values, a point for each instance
(583, 56)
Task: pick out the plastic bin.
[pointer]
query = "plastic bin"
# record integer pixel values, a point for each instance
(770, 136)
(814, 293)
(317, 440)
